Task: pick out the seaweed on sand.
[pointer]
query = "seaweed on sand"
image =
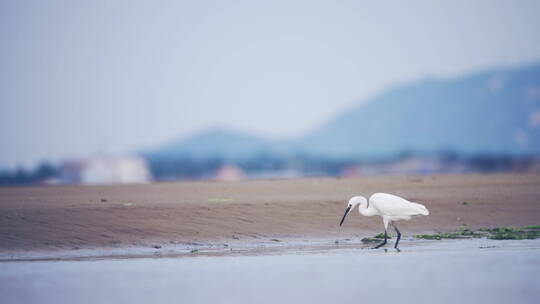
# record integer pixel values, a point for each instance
(375, 239)
(499, 233)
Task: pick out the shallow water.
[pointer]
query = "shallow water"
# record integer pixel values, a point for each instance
(459, 271)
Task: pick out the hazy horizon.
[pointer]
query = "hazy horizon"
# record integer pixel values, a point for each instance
(80, 78)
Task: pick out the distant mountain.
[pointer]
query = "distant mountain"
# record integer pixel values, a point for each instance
(494, 113)
(215, 143)
(490, 113)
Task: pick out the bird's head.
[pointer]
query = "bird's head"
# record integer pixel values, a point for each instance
(353, 202)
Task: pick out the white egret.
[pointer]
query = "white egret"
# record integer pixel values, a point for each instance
(388, 206)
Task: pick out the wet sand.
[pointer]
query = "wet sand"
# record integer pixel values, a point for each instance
(265, 242)
(59, 218)
(457, 271)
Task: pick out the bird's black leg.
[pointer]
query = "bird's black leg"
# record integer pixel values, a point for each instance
(384, 242)
(398, 236)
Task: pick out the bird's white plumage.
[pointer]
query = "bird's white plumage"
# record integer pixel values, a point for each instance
(388, 206)
(392, 205)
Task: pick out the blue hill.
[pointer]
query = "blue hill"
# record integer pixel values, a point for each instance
(491, 113)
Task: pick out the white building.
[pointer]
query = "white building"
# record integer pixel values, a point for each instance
(105, 170)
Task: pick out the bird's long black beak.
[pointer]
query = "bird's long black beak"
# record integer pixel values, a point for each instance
(345, 215)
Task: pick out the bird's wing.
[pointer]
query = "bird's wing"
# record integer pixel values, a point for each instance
(392, 205)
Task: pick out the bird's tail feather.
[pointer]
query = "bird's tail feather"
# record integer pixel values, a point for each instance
(421, 208)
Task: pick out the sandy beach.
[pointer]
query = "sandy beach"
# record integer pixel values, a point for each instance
(51, 218)
(265, 241)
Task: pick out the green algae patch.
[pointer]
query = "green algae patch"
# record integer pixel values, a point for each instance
(381, 236)
(499, 233)
(509, 233)
(462, 233)
(437, 236)
(375, 239)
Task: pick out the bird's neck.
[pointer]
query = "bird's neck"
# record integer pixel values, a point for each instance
(366, 210)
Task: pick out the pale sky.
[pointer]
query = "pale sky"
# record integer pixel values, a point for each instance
(81, 77)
